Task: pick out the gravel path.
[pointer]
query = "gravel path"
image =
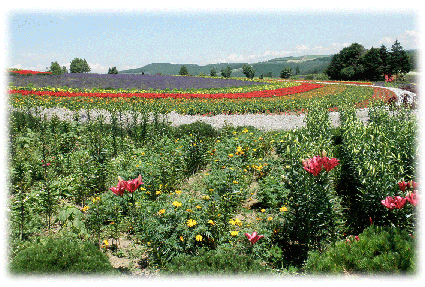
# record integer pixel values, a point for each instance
(260, 121)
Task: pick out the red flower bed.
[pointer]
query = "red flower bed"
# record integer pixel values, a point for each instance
(256, 94)
(29, 72)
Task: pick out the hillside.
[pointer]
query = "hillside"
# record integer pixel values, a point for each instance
(307, 64)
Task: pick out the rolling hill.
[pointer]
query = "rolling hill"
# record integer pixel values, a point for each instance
(308, 64)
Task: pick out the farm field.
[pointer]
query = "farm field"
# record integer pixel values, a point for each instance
(140, 197)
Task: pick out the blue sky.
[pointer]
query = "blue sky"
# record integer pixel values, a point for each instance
(132, 39)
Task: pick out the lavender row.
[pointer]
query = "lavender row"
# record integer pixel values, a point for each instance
(127, 81)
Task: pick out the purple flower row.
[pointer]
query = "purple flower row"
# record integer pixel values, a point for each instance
(128, 81)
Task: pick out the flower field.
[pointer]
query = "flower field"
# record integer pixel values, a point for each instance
(197, 200)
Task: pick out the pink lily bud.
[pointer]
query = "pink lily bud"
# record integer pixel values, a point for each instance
(412, 197)
(119, 190)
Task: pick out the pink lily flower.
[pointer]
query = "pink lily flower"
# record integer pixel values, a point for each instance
(412, 197)
(313, 165)
(119, 189)
(388, 202)
(254, 237)
(399, 201)
(132, 185)
(329, 163)
(403, 185)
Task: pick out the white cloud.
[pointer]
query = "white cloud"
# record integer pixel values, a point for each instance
(409, 39)
(302, 48)
(235, 58)
(98, 68)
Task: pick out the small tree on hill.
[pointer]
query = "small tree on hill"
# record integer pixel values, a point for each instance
(248, 71)
(213, 72)
(226, 72)
(183, 71)
(286, 73)
(55, 69)
(113, 70)
(79, 66)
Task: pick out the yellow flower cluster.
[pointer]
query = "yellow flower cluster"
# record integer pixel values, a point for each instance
(234, 233)
(198, 237)
(162, 211)
(177, 204)
(283, 209)
(235, 222)
(191, 222)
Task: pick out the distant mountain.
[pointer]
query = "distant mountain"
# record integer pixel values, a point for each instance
(308, 64)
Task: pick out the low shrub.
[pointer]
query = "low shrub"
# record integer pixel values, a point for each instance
(378, 249)
(61, 256)
(224, 261)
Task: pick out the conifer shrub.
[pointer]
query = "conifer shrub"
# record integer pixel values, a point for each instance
(61, 256)
(226, 261)
(378, 250)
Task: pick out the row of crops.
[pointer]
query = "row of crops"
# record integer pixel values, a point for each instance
(193, 199)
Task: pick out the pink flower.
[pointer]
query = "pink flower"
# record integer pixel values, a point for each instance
(329, 163)
(132, 185)
(403, 185)
(119, 190)
(357, 238)
(313, 165)
(254, 237)
(412, 197)
(396, 202)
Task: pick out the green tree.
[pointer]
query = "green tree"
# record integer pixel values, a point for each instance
(248, 71)
(226, 72)
(213, 72)
(398, 60)
(384, 55)
(347, 64)
(297, 70)
(286, 73)
(64, 70)
(373, 65)
(55, 69)
(79, 66)
(183, 71)
(113, 70)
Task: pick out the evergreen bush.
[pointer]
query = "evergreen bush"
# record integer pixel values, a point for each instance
(385, 250)
(61, 256)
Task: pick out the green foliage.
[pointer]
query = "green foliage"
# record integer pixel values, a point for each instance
(113, 70)
(226, 72)
(61, 256)
(224, 261)
(183, 71)
(286, 73)
(55, 69)
(79, 66)
(248, 71)
(375, 157)
(379, 250)
(398, 60)
(213, 72)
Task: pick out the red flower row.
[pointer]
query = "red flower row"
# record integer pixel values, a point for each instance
(29, 72)
(305, 87)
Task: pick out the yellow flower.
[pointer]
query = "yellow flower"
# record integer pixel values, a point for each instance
(235, 182)
(189, 210)
(105, 244)
(191, 222)
(198, 237)
(178, 191)
(181, 238)
(206, 197)
(234, 233)
(162, 211)
(230, 154)
(232, 222)
(142, 188)
(211, 222)
(283, 209)
(198, 207)
(158, 192)
(85, 208)
(263, 210)
(270, 218)
(245, 130)
(177, 204)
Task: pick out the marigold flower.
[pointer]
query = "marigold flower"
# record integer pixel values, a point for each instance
(85, 208)
(283, 209)
(162, 211)
(177, 204)
(230, 154)
(270, 218)
(191, 222)
(263, 210)
(211, 222)
(234, 233)
(178, 191)
(198, 237)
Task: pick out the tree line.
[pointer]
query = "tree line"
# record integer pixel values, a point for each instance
(77, 66)
(357, 63)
